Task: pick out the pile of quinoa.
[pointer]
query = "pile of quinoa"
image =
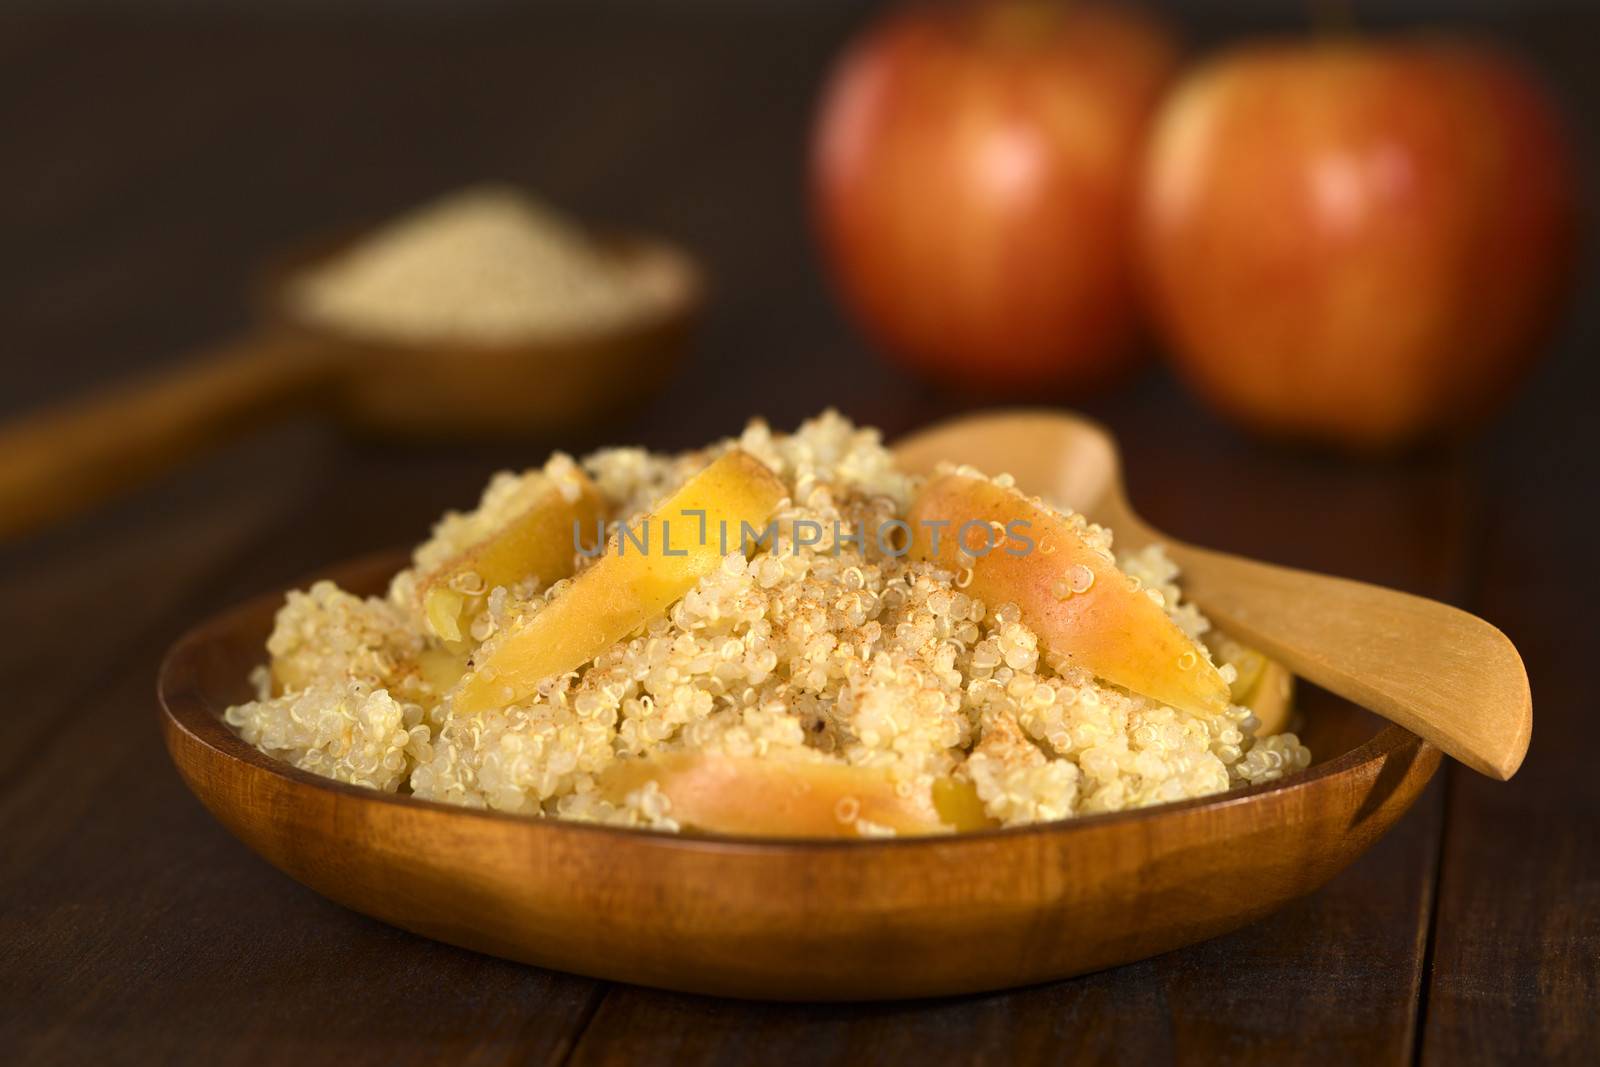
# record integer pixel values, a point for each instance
(853, 654)
(488, 264)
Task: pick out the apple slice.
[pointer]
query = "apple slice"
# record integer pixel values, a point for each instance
(540, 541)
(791, 795)
(959, 806)
(1023, 552)
(643, 572)
(429, 675)
(1260, 683)
(1271, 699)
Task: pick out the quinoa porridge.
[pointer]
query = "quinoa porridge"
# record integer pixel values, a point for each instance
(839, 673)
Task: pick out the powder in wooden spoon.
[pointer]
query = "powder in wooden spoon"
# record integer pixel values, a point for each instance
(486, 265)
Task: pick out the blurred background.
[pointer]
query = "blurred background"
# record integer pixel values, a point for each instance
(158, 153)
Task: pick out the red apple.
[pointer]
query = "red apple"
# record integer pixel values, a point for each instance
(974, 169)
(1358, 243)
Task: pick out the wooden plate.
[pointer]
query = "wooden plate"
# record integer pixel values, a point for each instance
(793, 920)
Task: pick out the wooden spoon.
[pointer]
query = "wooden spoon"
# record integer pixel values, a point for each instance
(1433, 669)
(61, 461)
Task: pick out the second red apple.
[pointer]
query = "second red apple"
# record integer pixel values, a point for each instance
(1357, 242)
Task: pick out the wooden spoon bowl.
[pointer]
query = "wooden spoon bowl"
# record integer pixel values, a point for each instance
(805, 919)
(458, 388)
(60, 461)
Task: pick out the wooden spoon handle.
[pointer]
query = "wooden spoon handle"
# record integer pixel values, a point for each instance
(1414, 661)
(63, 460)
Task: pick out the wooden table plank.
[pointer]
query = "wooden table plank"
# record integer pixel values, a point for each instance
(1257, 996)
(1516, 957)
(117, 874)
(77, 603)
(1516, 961)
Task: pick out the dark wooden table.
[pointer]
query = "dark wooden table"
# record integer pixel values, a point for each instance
(147, 163)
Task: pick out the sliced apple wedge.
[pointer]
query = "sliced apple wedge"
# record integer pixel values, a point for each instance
(1271, 698)
(1077, 601)
(790, 796)
(1260, 683)
(959, 806)
(642, 573)
(430, 674)
(539, 541)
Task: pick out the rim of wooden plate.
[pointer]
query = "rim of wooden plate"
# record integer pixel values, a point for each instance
(184, 703)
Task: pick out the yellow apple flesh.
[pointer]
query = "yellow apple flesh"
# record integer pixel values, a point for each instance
(1260, 683)
(1271, 699)
(541, 541)
(642, 573)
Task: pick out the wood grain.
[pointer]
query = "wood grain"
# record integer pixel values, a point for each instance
(1516, 958)
(87, 824)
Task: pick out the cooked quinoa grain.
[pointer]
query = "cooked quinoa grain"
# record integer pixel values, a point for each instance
(837, 652)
